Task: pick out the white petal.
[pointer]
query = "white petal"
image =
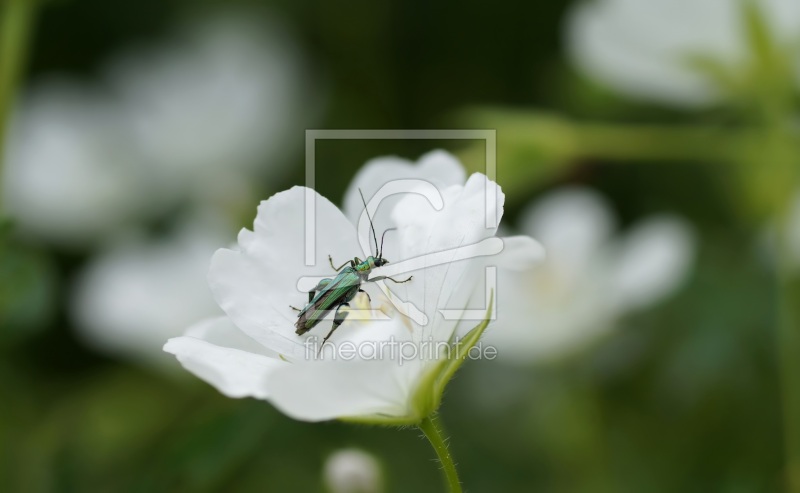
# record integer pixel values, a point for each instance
(652, 261)
(234, 372)
(564, 301)
(167, 276)
(423, 231)
(359, 328)
(634, 61)
(221, 332)
(792, 232)
(542, 314)
(329, 390)
(640, 47)
(437, 167)
(256, 285)
(572, 224)
(71, 173)
(219, 99)
(519, 253)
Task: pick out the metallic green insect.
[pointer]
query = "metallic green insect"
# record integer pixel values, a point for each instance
(330, 295)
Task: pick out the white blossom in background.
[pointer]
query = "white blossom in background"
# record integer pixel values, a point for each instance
(793, 230)
(71, 174)
(134, 295)
(352, 471)
(768, 242)
(217, 104)
(589, 279)
(256, 284)
(198, 119)
(642, 48)
(436, 167)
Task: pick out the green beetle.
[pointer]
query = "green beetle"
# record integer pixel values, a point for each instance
(330, 295)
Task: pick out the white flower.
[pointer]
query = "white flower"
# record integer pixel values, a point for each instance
(352, 471)
(217, 103)
(642, 48)
(199, 118)
(71, 174)
(786, 229)
(256, 284)
(134, 295)
(589, 279)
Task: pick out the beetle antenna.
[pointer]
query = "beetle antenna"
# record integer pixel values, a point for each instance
(374, 236)
(380, 255)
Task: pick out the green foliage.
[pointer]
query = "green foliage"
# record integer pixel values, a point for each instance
(27, 288)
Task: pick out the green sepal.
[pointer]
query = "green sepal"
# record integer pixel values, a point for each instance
(428, 396)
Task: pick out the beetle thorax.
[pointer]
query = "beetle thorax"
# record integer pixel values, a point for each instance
(366, 266)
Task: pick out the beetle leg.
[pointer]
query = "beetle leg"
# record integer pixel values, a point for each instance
(368, 296)
(381, 278)
(294, 308)
(318, 287)
(338, 319)
(330, 260)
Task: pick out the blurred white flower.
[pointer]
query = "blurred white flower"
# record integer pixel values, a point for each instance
(217, 104)
(437, 167)
(769, 242)
(71, 172)
(202, 117)
(256, 285)
(134, 295)
(589, 279)
(642, 48)
(352, 471)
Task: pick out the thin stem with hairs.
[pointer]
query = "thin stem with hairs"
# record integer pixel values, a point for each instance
(432, 428)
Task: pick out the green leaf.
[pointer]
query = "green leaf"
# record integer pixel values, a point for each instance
(428, 397)
(462, 349)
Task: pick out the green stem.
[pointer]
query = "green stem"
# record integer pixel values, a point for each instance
(554, 137)
(16, 17)
(432, 428)
(660, 142)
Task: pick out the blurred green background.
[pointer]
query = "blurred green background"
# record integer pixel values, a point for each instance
(683, 396)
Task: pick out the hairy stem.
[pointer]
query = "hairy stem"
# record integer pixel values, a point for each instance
(434, 432)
